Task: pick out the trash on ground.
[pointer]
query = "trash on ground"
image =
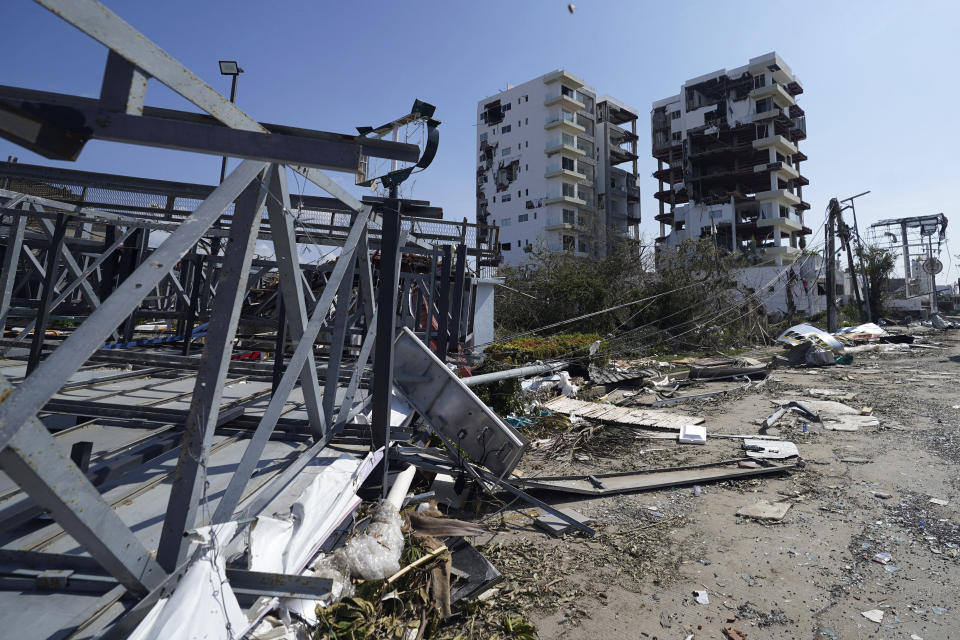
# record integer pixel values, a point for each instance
(693, 434)
(701, 597)
(772, 449)
(882, 557)
(874, 615)
(556, 526)
(765, 510)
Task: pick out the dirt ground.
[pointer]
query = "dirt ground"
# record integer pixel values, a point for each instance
(810, 575)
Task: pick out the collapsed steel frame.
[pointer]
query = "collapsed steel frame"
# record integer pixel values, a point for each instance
(87, 246)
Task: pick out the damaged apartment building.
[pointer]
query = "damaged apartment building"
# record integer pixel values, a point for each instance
(728, 167)
(557, 168)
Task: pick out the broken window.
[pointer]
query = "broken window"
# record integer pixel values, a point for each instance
(569, 243)
(492, 113)
(505, 246)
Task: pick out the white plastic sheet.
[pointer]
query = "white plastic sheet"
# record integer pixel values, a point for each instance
(203, 606)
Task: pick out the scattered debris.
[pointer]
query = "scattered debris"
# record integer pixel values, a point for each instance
(701, 597)
(939, 501)
(556, 526)
(772, 449)
(874, 615)
(764, 510)
(883, 557)
(693, 434)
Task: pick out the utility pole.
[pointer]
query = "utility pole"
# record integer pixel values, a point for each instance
(863, 267)
(843, 230)
(832, 213)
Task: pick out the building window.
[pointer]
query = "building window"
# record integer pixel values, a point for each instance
(583, 246)
(506, 221)
(494, 198)
(759, 80)
(518, 124)
(534, 215)
(526, 144)
(483, 137)
(674, 115)
(526, 98)
(526, 192)
(526, 121)
(526, 167)
(506, 151)
(569, 216)
(569, 243)
(505, 246)
(567, 163)
(505, 198)
(523, 217)
(518, 100)
(506, 128)
(518, 193)
(675, 136)
(507, 106)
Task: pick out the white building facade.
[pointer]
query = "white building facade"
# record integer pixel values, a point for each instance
(547, 151)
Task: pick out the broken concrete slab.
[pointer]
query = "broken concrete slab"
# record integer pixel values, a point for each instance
(765, 510)
(555, 526)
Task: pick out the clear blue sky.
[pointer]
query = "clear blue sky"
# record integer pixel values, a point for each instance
(878, 78)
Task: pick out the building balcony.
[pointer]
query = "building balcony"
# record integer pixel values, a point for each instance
(784, 223)
(563, 100)
(781, 144)
(779, 94)
(619, 135)
(557, 145)
(782, 169)
(556, 171)
(769, 114)
(563, 124)
(619, 155)
(560, 198)
(779, 195)
(633, 192)
(568, 78)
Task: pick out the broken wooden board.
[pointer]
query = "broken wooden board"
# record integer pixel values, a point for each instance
(602, 484)
(764, 510)
(605, 412)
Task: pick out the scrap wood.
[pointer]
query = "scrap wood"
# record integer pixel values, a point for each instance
(620, 415)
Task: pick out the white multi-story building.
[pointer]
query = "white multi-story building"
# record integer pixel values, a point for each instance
(728, 163)
(549, 168)
(728, 166)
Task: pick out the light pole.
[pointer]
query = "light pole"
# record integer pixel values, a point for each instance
(863, 270)
(229, 68)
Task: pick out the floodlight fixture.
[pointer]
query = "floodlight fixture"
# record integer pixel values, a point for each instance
(230, 68)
